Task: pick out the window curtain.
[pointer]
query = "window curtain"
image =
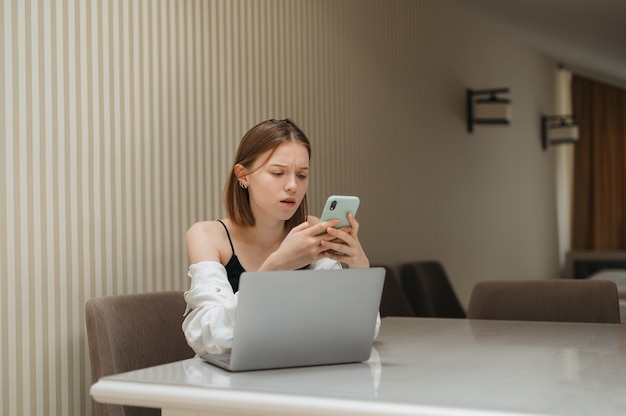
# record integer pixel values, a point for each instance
(599, 200)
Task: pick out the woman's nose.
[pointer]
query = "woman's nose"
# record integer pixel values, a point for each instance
(291, 184)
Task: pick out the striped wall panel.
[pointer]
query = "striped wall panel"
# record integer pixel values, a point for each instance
(119, 123)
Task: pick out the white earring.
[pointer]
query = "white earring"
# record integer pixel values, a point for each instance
(243, 186)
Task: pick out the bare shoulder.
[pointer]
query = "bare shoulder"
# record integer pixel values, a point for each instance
(205, 241)
(202, 228)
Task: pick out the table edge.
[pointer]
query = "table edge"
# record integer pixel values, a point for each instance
(197, 398)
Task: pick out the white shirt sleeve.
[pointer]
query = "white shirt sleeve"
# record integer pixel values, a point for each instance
(208, 327)
(325, 264)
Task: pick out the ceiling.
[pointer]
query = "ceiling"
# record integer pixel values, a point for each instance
(587, 36)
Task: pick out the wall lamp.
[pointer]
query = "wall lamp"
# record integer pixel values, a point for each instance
(558, 130)
(485, 107)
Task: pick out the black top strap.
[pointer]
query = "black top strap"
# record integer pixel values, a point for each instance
(228, 234)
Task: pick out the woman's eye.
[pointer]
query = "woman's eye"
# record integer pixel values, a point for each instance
(302, 176)
(277, 173)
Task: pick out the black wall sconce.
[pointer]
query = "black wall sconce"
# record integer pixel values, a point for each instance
(488, 108)
(558, 130)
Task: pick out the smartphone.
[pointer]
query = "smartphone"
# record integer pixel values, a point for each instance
(338, 206)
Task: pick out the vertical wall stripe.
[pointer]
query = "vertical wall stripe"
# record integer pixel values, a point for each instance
(21, 199)
(62, 353)
(5, 76)
(95, 132)
(36, 295)
(9, 327)
(156, 97)
(47, 237)
(143, 108)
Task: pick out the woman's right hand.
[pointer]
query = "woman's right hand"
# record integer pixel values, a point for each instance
(301, 246)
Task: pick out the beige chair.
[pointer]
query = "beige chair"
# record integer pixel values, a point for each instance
(619, 277)
(565, 300)
(393, 302)
(129, 332)
(429, 290)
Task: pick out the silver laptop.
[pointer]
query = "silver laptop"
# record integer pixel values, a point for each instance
(303, 318)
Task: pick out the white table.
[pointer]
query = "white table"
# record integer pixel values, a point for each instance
(420, 367)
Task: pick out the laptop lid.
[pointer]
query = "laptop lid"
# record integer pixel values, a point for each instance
(304, 318)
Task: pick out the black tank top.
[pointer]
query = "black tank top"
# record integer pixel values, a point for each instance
(234, 267)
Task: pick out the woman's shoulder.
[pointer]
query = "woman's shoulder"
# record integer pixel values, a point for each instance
(206, 240)
(205, 228)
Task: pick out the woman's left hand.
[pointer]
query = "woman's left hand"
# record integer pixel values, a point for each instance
(346, 247)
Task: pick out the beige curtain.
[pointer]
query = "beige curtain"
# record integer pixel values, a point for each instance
(599, 209)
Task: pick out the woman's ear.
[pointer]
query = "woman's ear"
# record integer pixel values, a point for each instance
(241, 173)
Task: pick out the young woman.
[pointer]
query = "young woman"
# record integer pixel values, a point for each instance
(266, 228)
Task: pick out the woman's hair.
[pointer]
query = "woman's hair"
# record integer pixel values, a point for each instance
(263, 137)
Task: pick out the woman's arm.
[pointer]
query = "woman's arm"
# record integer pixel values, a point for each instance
(208, 327)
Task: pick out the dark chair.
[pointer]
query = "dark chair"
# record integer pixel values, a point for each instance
(129, 332)
(429, 291)
(564, 300)
(393, 301)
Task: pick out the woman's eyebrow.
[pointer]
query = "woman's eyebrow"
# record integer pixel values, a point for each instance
(280, 165)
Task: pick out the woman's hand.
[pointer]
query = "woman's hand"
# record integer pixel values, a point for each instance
(344, 246)
(302, 245)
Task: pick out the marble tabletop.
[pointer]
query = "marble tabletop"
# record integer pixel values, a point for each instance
(419, 366)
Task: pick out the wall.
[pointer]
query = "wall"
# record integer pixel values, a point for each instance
(119, 121)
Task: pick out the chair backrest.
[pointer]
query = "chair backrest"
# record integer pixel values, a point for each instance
(393, 302)
(129, 332)
(564, 300)
(429, 290)
(614, 275)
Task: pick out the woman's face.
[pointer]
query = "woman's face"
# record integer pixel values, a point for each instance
(277, 185)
